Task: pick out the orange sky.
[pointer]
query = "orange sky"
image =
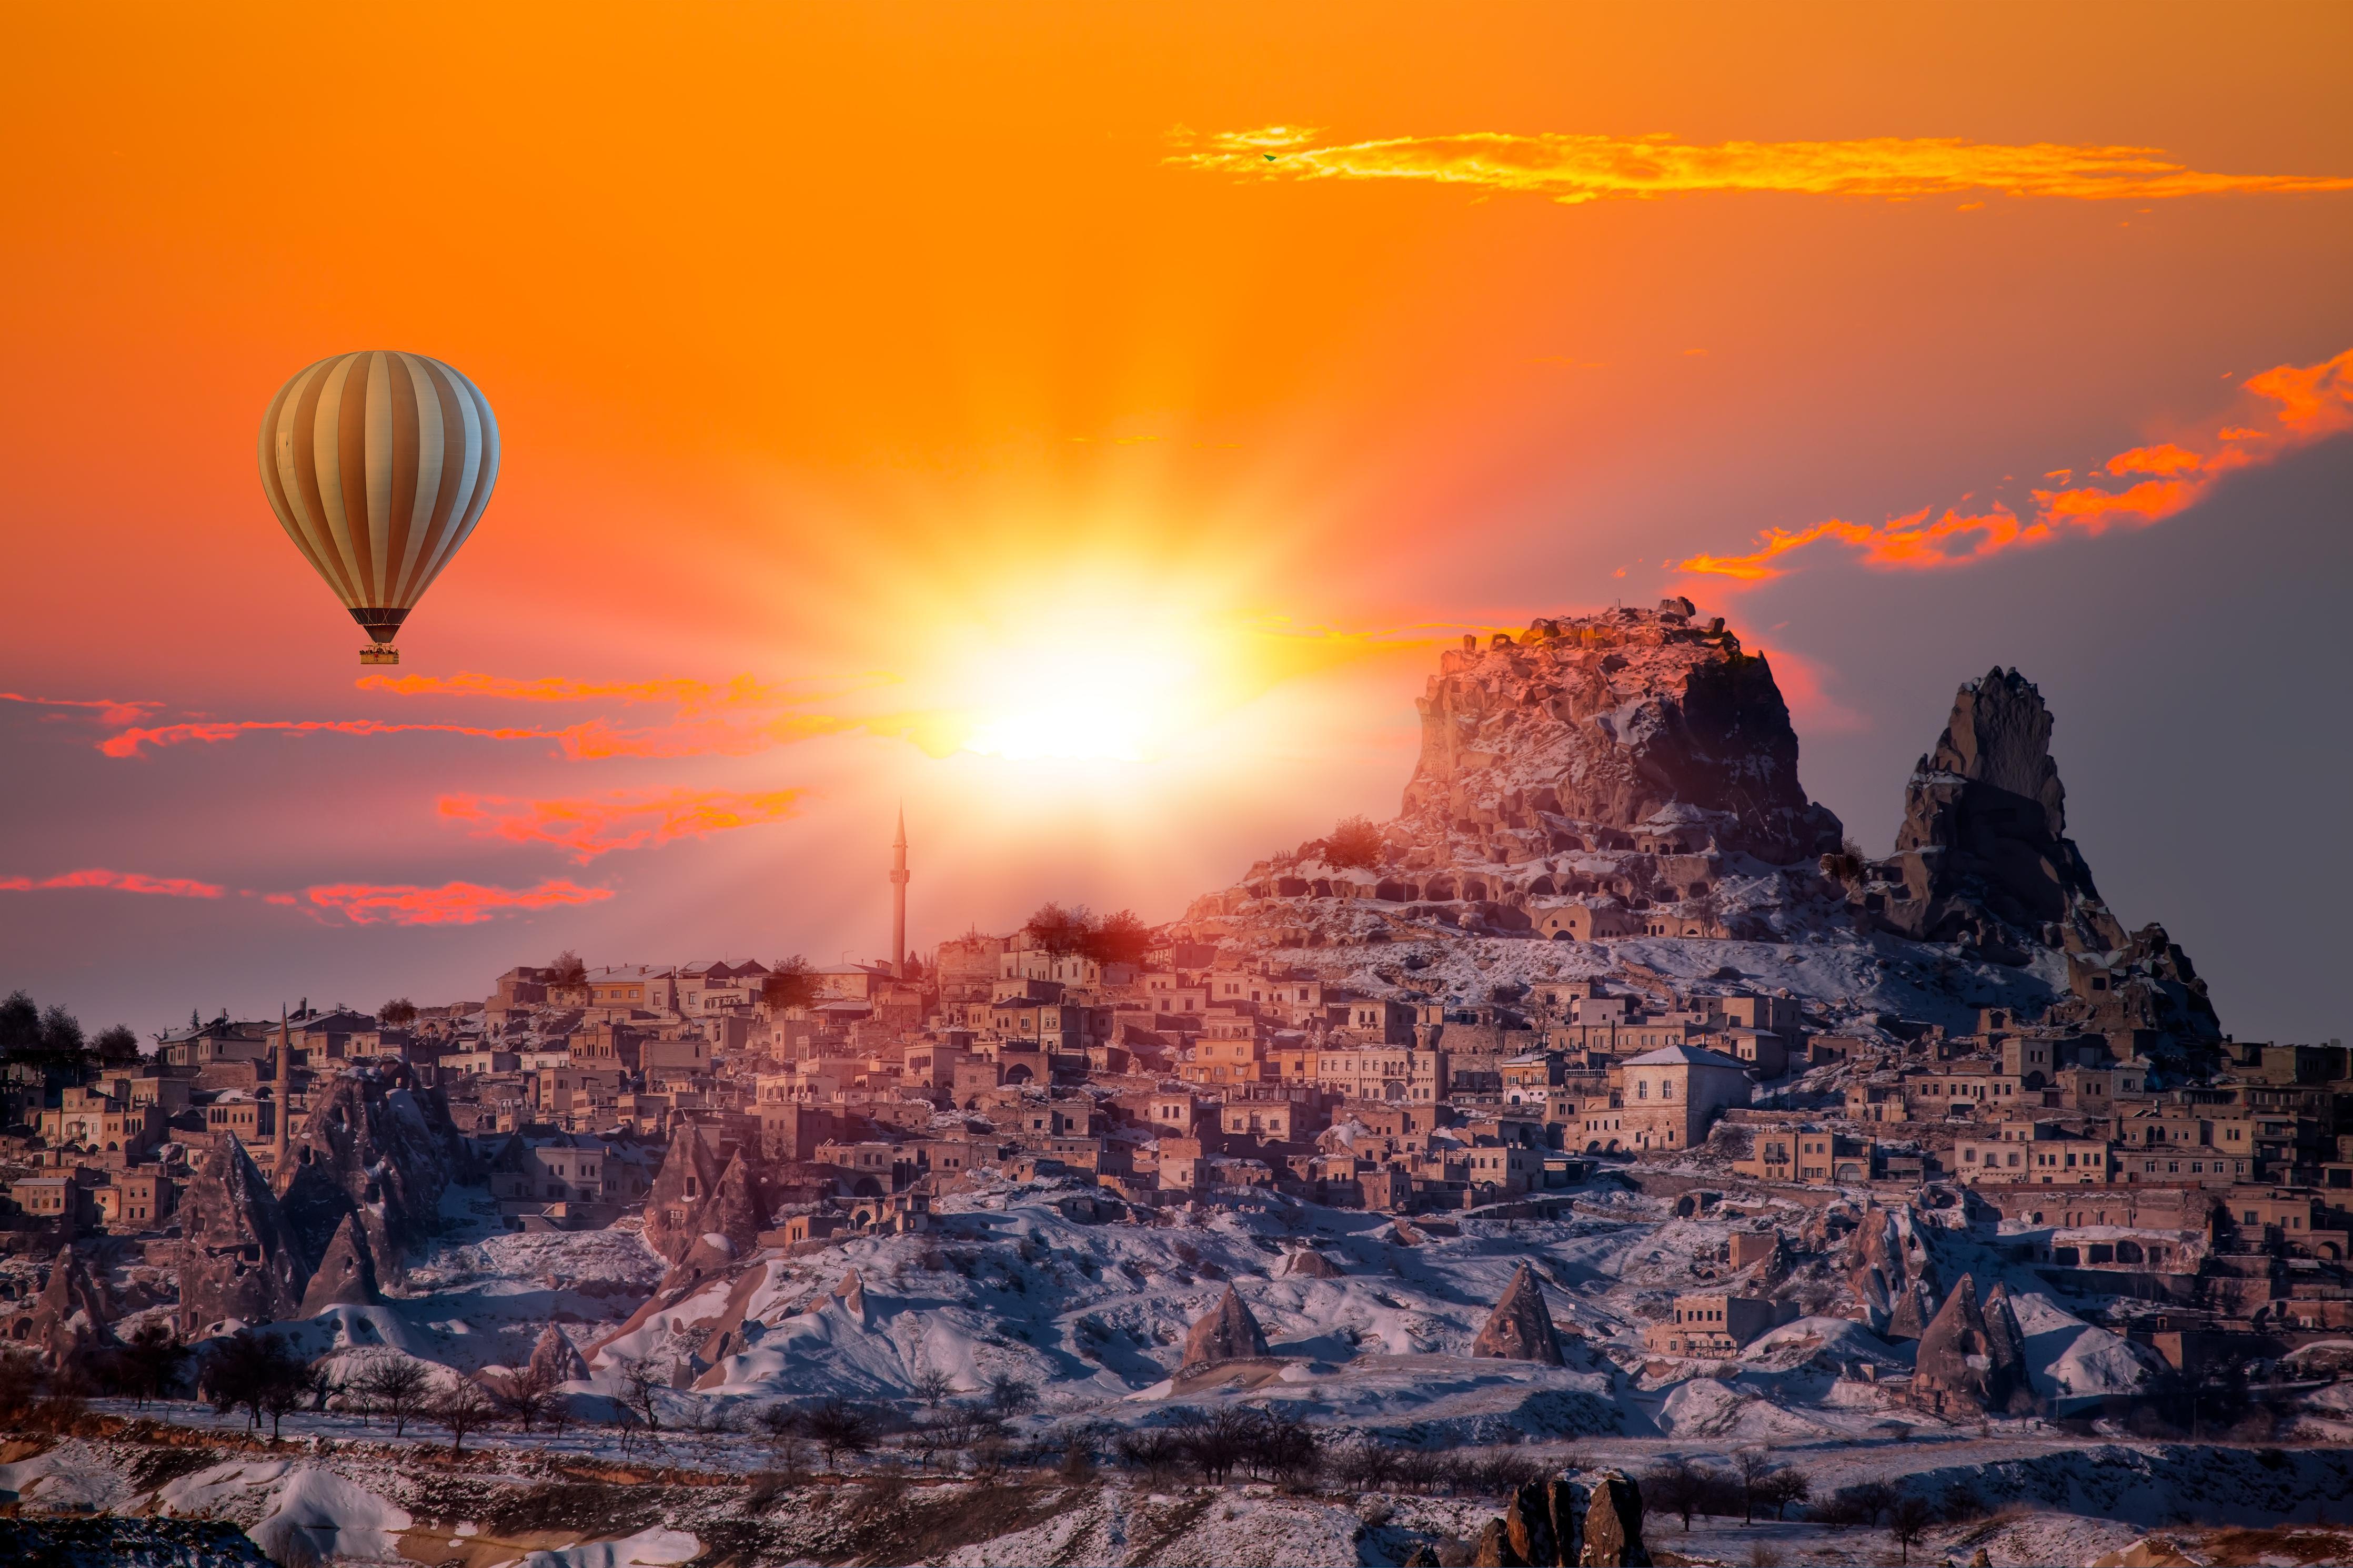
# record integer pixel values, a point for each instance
(949, 371)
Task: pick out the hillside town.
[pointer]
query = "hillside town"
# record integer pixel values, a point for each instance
(1600, 1101)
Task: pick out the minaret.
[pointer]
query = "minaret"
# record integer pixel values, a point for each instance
(898, 898)
(283, 1112)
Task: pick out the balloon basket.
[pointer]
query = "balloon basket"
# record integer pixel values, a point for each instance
(379, 653)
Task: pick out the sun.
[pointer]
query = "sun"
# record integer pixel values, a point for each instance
(1084, 689)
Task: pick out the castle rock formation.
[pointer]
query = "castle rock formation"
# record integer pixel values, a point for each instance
(1630, 760)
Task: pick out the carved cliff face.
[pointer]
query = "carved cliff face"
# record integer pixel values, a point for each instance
(1632, 730)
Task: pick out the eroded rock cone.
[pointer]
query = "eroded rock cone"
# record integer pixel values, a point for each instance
(1613, 1523)
(735, 1210)
(346, 1275)
(73, 1315)
(687, 1181)
(376, 1147)
(240, 1260)
(1909, 1315)
(1964, 1366)
(554, 1360)
(1229, 1333)
(1313, 1264)
(1520, 1328)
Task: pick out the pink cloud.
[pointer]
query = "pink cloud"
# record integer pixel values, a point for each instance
(452, 903)
(107, 709)
(590, 825)
(120, 881)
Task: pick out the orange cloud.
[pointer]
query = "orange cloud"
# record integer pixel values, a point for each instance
(127, 744)
(2313, 402)
(2165, 459)
(121, 881)
(690, 696)
(107, 709)
(1575, 169)
(591, 825)
(452, 903)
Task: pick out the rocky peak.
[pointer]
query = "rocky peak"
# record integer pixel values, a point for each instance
(1637, 760)
(1983, 855)
(375, 1150)
(1581, 731)
(241, 1260)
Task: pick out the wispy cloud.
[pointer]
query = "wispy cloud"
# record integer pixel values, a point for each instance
(452, 903)
(2310, 402)
(689, 696)
(120, 881)
(128, 742)
(742, 717)
(106, 710)
(590, 825)
(1576, 169)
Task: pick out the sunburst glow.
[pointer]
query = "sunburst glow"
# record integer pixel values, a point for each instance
(1087, 690)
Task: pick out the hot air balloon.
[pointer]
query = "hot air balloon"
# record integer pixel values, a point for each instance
(379, 464)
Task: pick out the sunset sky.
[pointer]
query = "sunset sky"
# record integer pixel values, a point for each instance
(1081, 423)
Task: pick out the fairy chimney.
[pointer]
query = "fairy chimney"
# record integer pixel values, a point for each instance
(1520, 1328)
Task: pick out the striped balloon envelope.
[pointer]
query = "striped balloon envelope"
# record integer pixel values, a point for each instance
(379, 465)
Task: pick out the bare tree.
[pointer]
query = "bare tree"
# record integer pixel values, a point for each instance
(1909, 1520)
(398, 1388)
(525, 1396)
(932, 1387)
(839, 1427)
(1783, 1487)
(641, 1387)
(1756, 1470)
(466, 1407)
(1675, 1487)
(1009, 1395)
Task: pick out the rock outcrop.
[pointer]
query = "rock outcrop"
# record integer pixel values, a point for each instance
(73, 1317)
(554, 1360)
(1631, 760)
(1229, 1333)
(1983, 855)
(372, 1148)
(1972, 1360)
(688, 1178)
(1891, 1268)
(241, 1260)
(1313, 1264)
(1520, 1328)
(346, 1275)
(1586, 1520)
